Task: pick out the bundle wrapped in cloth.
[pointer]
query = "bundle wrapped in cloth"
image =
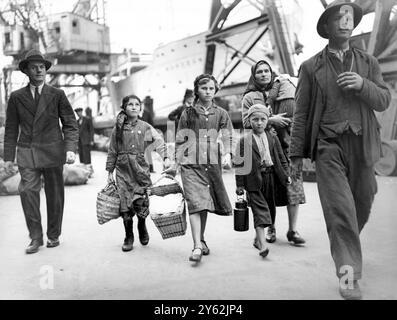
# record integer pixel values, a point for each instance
(167, 207)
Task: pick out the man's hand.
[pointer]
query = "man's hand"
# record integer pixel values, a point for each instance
(280, 120)
(226, 161)
(240, 191)
(9, 167)
(70, 157)
(296, 167)
(110, 178)
(350, 81)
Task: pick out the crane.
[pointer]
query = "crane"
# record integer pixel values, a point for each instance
(78, 41)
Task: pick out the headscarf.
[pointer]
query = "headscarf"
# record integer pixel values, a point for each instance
(258, 108)
(253, 84)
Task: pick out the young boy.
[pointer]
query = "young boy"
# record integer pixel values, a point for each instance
(261, 170)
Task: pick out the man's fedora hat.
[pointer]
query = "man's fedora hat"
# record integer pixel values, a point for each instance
(333, 7)
(34, 55)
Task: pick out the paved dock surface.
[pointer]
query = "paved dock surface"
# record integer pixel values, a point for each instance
(89, 263)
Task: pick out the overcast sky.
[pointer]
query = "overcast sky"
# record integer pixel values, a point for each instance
(144, 24)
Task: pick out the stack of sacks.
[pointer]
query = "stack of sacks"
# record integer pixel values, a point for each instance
(75, 174)
(101, 142)
(9, 180)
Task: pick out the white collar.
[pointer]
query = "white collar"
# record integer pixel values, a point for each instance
(33, 88)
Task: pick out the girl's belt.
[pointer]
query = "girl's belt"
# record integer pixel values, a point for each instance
(130, 152)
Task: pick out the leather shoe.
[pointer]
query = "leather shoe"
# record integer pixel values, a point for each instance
(34, 246)
(128, 244)
(206, 250)
(256, 244)
(263, 253)
(52, 243)
(196, 257)
(351, 294)
(143, 234)
(294, 236)
(271, 234)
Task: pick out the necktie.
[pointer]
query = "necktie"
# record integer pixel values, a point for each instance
(36, 96)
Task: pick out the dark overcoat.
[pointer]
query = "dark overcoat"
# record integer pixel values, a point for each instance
(37, 138)
(311, 100)
(86, 131)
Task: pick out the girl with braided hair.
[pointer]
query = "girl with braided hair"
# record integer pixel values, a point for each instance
(198, 154)
(128, 142)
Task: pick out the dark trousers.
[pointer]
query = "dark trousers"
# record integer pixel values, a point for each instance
(262, 202)
(29, 189)
(84, 153)
(347, 188)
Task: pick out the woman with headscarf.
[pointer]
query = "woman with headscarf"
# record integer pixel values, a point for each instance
(260, 83)
(128, 142)
(198, 154)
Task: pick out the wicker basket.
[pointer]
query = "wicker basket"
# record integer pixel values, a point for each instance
(170, 224)
(108, 204)
(163, 190)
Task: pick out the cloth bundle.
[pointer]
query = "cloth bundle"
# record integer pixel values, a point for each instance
(165, 205)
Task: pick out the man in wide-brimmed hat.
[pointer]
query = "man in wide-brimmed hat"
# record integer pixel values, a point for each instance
(41, 147)
(334, 124)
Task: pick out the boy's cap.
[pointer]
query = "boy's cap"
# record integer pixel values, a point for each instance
(258, 108)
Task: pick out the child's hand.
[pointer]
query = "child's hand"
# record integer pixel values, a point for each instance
(167, 163)
(171, 170)
(227, 161)
(240, 191)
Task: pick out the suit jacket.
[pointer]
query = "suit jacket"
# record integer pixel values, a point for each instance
(311, 100)
(37, 139)
(248, 162)
(147, 117)
(86, 131)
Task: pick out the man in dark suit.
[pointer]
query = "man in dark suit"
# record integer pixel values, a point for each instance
(86, 137)
(33, 133)
(334, 124)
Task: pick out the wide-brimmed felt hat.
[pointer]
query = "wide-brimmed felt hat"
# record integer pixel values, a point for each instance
(335, 6)
(34, 55)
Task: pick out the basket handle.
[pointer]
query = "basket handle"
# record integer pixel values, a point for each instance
(163, 176)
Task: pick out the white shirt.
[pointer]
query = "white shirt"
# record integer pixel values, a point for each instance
(340, 54)
(33, 88)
